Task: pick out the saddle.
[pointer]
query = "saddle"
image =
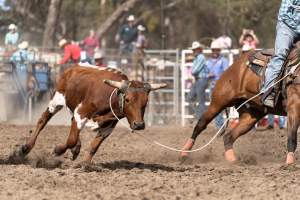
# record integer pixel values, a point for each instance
(259, 60)
(258, 63)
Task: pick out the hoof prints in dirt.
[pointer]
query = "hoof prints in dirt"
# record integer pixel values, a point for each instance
(36, 161)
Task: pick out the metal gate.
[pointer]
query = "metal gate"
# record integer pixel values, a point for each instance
(162, 66)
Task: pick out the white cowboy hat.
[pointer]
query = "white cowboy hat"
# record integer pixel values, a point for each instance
(141, 28)
(98, 55)
(215, 45)
(196, 45)
(62, 42)
(23, 45)
(131, 18)
(12, 26)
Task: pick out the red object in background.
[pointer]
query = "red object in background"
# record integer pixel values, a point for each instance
(71, 53)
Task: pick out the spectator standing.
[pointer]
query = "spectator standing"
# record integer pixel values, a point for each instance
(248, 40)
(216, 65)
(225, 41)
(71, 52)
(90, 45)
(20, 59)
(127, 35)
(200, 74)
(138, 53)
(11, 37)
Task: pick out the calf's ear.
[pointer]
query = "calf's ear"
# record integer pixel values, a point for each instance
(157, 86)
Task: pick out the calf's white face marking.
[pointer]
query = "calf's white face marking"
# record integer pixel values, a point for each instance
(57, 100)
(79, 120)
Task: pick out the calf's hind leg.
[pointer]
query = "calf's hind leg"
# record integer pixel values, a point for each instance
(247, 120)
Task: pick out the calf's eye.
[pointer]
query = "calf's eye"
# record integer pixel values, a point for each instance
(126, 100)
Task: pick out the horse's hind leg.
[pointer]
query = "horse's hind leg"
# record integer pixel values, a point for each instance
(56, 104)
(247, 120)
(293, 124)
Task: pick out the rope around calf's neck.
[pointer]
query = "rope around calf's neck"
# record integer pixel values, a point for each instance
(212, 139)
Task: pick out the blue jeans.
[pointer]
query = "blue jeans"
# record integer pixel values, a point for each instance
(197, 94)
(285, 37)
(219, 119)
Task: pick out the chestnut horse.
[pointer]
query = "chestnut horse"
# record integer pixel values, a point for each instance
(238, 84)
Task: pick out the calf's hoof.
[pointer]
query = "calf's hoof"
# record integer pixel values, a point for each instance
(290, 158)
(230, 156)
(23, 150)
(75, 152)
(58, 151)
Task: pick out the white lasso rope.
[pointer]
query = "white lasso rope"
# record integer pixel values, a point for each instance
(218, 132)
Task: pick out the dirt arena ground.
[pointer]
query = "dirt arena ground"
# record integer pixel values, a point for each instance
(127, 167)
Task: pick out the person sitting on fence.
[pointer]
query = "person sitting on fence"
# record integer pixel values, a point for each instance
(99, 59)
(248, 40)
(12, 37)
(200, 73)
(21, 60)
(216, 65)
(90, 45)
(71, 52)
(127, 35)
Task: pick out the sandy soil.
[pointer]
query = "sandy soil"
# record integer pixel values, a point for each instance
(128, 167)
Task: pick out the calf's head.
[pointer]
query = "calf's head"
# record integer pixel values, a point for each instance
(133, 99)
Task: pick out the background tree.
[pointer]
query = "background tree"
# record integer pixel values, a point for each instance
(45, 21)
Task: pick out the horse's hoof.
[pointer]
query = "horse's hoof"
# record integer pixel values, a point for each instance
(22, 151)
(230, 156)
(182, 159)
(290, 158)
(75, 152)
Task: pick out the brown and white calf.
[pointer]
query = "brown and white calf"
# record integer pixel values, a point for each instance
(86, 92)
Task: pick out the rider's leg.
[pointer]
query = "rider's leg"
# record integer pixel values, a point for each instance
(285, 38)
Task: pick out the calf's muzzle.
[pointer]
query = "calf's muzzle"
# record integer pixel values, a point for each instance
(138, 125)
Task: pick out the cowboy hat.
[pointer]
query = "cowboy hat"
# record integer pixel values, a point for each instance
(141, 28)
(23, 45)
(98, 55)
(62, 42)
(215, 45)
(131, 18)
(12, 26)
(196, 45)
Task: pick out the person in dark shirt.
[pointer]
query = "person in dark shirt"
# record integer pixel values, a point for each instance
(127, 35)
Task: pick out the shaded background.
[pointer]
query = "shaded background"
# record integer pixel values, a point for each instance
(177, 22)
